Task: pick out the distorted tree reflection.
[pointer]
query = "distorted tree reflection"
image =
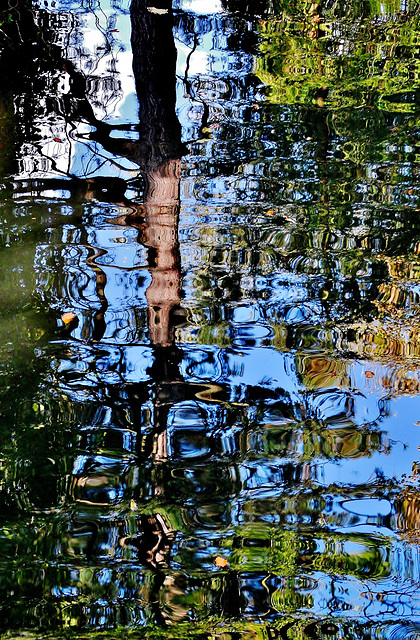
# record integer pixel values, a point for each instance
(162, 457)
(157, 152)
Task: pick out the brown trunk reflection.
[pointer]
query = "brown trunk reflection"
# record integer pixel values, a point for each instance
(161, 235)
(158, 154)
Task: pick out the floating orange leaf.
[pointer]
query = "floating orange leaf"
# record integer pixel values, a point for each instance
(221, 562)
(270, 213)
(68, 317)
(57, 140)
(369, 374)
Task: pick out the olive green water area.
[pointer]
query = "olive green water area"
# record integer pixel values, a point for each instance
(209, 320)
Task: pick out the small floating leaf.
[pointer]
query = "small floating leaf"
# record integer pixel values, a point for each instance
(221, 562)
(68, 317)
(159, 12)
(369, 374)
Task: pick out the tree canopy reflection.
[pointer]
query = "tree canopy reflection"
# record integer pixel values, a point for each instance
(217, 439)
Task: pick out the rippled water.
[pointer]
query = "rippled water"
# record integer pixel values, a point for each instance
(209, 311)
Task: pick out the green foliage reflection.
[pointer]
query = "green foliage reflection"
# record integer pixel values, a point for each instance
(314, 55)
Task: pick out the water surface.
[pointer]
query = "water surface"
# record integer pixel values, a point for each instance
(209, 311)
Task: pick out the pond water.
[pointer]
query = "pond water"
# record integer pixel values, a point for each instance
(209, 311)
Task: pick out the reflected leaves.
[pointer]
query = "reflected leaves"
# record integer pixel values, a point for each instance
(223, 427)
(334, 62)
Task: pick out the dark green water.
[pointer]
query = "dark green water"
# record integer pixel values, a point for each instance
(209, 320)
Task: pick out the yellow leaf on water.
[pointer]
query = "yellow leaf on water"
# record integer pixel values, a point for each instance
(221, 562)
(68, 317)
